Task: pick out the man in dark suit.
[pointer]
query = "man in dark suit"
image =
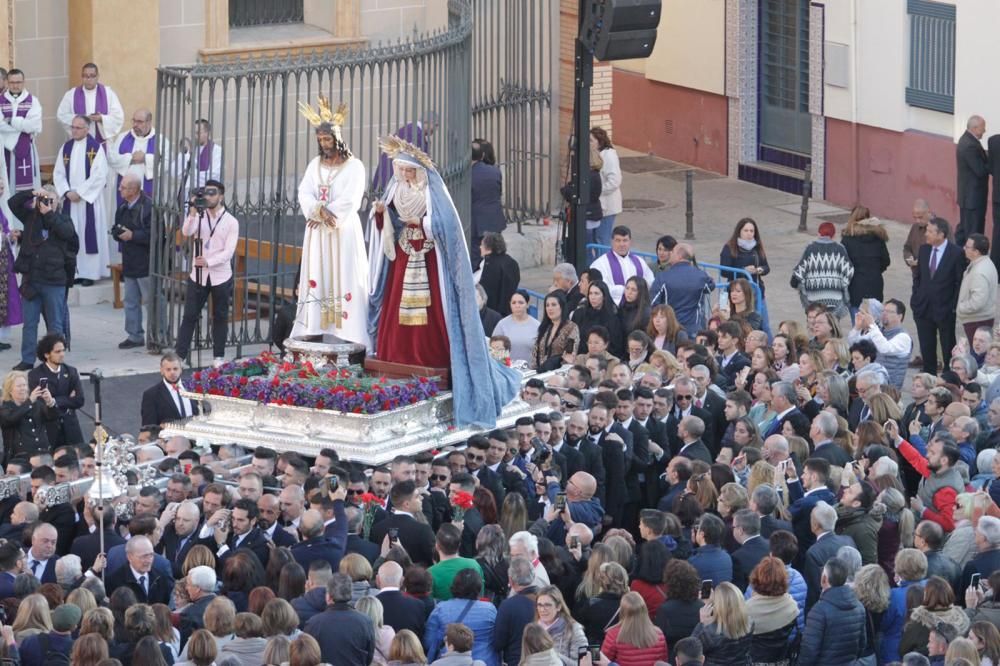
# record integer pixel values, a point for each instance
(355, 542)
(690, 430)
(475, 460)
(242, 532)
(940, 267)
(822, 524)
(487, 200)
(557, 440)
(613, 453)
(638, 461)
(577, 437)
(416, 538)
(685, 395)
(987, 559)
(163, 402)
(139, 576)
(867, 384)
(63, 383)
(315, 545)
(753, 547)
(993, 156)
(803, 495)
(822, 431)
(711, 402)
(88, 546)
(973, 180)
(783, 402)
(659, 443)
(180, 534)
(399, 611)
(764, 501)
(928, 538)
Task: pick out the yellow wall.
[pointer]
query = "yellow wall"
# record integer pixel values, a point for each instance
(690, 46)
(97, 36)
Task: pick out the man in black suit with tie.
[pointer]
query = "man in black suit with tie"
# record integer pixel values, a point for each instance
(163, 402)
(269, 508)
(711, 402)
(659, 445)
(475, 460)
(973, 180)
(42, 558)
(399, 611)
(557, 440)
(784, 402)
(685, 394)
(867, 384)
(416, 538)
(940, 266)
(638, 460)
(487, 206)
(355, 542)
(822, 522)
(88, 546)
(180, 533)
(753, 547)
(138, 575)
(613, 455)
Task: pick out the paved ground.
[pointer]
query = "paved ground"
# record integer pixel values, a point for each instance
(654, 200)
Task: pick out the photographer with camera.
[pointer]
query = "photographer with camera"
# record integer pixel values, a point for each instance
(214, 232)
(47, 262)
(133, 220)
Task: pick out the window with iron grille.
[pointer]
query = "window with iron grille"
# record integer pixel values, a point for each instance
(932, 56)
(248, 13)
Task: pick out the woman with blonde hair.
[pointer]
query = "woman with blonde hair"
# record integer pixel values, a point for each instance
(871, 585)
(201, 648)
(33, 617)
(406, 650)
(589, 586)
(986, 638)
(89, 650)
(552, 614)
(810, 365)
(836, 356)
(725, 629)
(732, 498)
(99, 621)
(198, 556)
(24, 414)
(884, 408)
(360, 570)
(664, 329)
(276, 652)
(667, 364)
(280, 619)
(634, 640)
(513, 515)
(599, 612)
(762, 473)
(164, 630)
(372, 607)
(82, 599)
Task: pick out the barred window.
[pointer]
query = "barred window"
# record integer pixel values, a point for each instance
(248, 13)
(932, 56)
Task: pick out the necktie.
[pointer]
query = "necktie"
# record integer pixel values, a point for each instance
(180, 401)
(180, 550)
(934, 262)
(142, 584)
(34, 567)
(697, 403)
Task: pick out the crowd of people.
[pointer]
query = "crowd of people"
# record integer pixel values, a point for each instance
(695, 486)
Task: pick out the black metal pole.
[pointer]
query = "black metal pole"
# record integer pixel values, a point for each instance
(806, 193)
(580, 159)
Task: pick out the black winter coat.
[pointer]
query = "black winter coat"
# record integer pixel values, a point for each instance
(594, 210)
(500, 277)
(138, 220)
(24, 428)
(743, 259)
(870, 257)
(49, 245)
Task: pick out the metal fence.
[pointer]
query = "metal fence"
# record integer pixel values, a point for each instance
(488, 74)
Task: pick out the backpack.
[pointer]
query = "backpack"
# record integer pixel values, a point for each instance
(50, 656)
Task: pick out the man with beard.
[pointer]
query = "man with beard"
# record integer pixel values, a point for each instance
(476, 455)
(557, 440)
(642, 412)
(164, 402)
(941, 482)
(333, 184)
(613, 455)
(577, 428)
(496, 454)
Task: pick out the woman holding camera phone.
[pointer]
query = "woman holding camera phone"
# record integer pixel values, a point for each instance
(23, 416)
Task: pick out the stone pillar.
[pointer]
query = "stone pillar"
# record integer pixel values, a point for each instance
(6, 33)
(216, 24)
(123, 38)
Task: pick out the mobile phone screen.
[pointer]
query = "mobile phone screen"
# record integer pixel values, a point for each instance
(706, 589)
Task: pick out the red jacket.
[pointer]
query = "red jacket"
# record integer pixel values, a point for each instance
(629, 655)
(653, 595)
(942, 508)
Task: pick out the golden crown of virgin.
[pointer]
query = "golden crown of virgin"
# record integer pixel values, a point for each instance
(393, 146)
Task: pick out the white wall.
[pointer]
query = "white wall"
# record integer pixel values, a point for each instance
(878, 45)
(976, 89)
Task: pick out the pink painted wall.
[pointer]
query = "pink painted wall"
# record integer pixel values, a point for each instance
(640, 112)
(886, 170)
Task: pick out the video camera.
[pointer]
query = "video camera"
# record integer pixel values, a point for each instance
(198, 199)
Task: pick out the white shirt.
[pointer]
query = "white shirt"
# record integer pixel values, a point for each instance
(40, 569)
(179, 399)
(939, 252)
(136, 575)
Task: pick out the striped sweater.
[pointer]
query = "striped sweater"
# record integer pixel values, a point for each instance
(823, 275)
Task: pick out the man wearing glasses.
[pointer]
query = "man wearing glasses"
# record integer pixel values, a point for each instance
(475, 457)
(215, 233)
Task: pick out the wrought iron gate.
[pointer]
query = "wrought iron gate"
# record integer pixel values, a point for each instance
(266, 144)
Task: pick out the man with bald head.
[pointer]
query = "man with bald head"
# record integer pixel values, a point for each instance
(180, 533)
(269, 507)
(315, 545)
(135, 151)
(41, 560)
(686, 284)
(133, 221)
(973, 179)
(577, 428)
(922, 214)
(138, 575)
(399, 611)
(581, 507)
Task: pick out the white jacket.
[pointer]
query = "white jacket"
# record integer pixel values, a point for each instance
(611, 183)
(977, 296)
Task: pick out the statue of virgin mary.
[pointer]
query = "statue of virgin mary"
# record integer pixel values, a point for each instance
(422, 302)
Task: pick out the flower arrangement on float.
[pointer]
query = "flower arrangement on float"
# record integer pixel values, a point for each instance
(268, 379)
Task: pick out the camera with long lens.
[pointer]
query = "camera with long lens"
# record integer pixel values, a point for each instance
(198, 199)
(43, 199)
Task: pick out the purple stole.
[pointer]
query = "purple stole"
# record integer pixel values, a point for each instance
(100, 105)
(90, 228)
(205, 157)
(24, 163)
(616, 268)
(127, 145)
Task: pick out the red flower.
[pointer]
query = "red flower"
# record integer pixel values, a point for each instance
(244, 381)
(275, 382)
(344, 315)
(235, 393)
(197, 375)
(462, 500)
(347, 297)
(423, 380)
(320, 404)
(356, 410)
(366, 397)
(302, 374)
(312, 284)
